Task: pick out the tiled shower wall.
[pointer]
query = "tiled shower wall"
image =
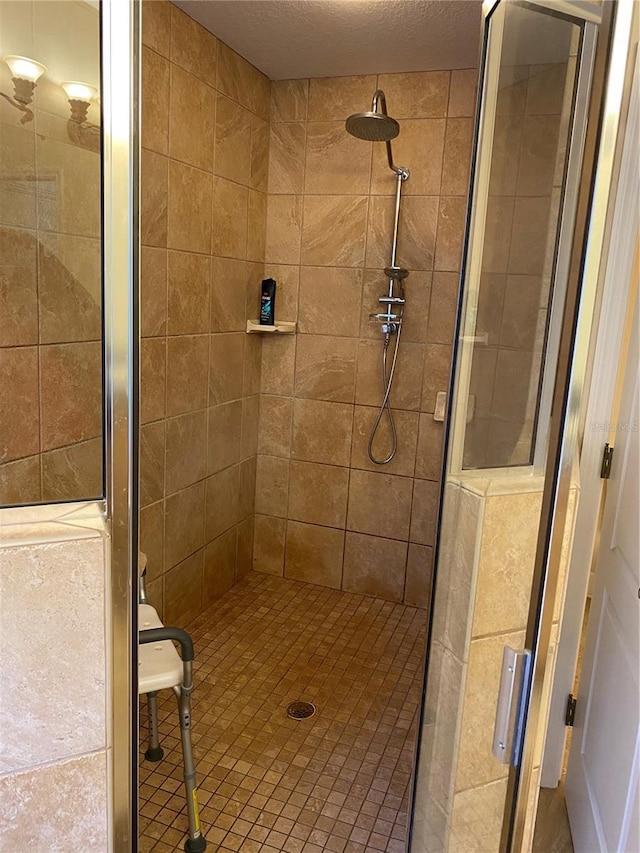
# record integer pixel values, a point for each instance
(324, 513)
(204, 180)
(50, 270)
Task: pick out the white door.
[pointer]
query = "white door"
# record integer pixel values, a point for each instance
(604, 762)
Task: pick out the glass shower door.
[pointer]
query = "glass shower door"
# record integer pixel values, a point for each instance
(536, 79)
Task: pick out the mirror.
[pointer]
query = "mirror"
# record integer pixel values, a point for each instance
(51, 364)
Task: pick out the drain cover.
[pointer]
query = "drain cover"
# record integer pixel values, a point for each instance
(300, 710)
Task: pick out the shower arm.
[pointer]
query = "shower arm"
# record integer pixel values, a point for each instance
(379, 98)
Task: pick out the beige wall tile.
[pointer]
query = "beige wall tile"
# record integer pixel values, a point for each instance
(289, 100)
(153, 291)
(261, 94)
(321, 287)
(490, 304)
(257, 226)
(326, 368)
(424, 511)
(235, 78)
(374, 566)
(230, 219)
(76, 209)
(505, 569)
(462, 92)
(457, 156)
(274, 437)
(18, 287)
(155, 102)
(19, 413)
(183, 586)
(233, 141)
(187, 370)
(186, 450)
(451, 222)
(154, 193)
(226, 354)
(507, 137)
(65, 693)
(189, 279)
(228, 295)
(193, 47)
(155, 596)
(421, 94)
(70, 393)
(437, 365)
(184, 524)
(406, 423)
(153, 378)
(443, 308)
(259, 177)
(57, 800)
(152, 450)
(331, 98)
(499, 221)
(156, 25)
(417, 136)
(69, 288)
(189, 219)
(248, 470)
(314, 554)
(224, 442)
(272, 486)
(318, 493)
(545, 89)
(429, 452)
(416, 236)
(20, 481)
(278, 365)
(322, 431)
(522, 296)
(284, 229)
(252, 366)
(268, 545)
(379, 503)
(287, 157)
(334, 230)
(336, 162)
(74, 470)
(538, 154)
(417, 589)
(512, 90)
(244, 554)
(250, 425)
(529, 235)
(219, 566)
(191, 120)
(152, 538)
(405, 393)
(222, 509)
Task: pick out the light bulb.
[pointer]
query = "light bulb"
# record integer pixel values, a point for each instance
(79, 91)
(24, 68)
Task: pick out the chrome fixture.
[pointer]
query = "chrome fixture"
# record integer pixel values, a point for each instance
(378, 126)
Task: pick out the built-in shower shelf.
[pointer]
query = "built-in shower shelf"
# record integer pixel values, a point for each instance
(280, 328)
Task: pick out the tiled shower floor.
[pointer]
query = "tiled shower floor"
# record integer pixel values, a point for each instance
(338, 781)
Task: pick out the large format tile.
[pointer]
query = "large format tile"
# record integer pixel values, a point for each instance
(189, 277)
(186, 450)
(287, 157)
(417, 94)
(333, 233)
(314, 554)
(18, 287)
(192, 46)
(322, 431)
(321, 287)
(332, 98)
(336, 163)
(317, 493)
(289, 99)
(374, 566)
(326, 368)
(19, 409)
(184, 524)
(189, 216)
(191, 120)
(417, 137)
(379, 504)
(187, 372)
(232, 141)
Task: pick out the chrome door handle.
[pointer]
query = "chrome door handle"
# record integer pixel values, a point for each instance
(510, 713)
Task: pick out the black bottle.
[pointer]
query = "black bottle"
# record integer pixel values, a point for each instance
(268, 302)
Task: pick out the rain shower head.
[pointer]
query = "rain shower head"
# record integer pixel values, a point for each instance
(377, 126)
(372, 127)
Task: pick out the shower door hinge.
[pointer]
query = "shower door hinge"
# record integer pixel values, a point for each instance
(570, 713)
(607, 456)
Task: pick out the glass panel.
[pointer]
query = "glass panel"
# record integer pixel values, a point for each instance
(50, 252)
(489, 522)
(535, 93)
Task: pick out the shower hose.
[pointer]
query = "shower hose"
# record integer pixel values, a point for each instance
(387, 382)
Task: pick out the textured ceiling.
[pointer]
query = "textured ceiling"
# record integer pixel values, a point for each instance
(330, 38)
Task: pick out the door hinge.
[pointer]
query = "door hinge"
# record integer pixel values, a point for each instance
(607, 456)
(570, 713)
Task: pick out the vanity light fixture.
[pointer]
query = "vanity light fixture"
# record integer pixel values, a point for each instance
(80, 96)
(25, 73)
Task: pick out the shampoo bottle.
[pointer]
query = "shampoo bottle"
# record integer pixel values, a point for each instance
(268, 302)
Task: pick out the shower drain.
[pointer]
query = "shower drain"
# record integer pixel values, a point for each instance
(300, 710)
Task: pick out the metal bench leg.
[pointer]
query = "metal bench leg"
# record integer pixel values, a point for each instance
(196, 842)
(154, 751)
